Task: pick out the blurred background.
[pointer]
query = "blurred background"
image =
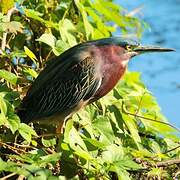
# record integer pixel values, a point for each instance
(160, 72)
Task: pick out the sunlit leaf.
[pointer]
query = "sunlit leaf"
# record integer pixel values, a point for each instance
(49, 142)
(66, 29)
(104, 127)
(113, 153)
(60, 47)
(12, 27)
(50, 158)
(26, 132)
(3, 105)
(88, 27)
(31, 72)
(48, 39)
(6, 5)
(8, 76)
(34, 14)
(30, 54)
(13, 121)
(132, 127)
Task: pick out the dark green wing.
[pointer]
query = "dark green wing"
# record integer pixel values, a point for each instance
(60, 87)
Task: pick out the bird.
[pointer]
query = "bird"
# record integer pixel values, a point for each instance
(79, 76)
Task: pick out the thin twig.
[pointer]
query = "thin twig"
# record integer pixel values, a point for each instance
(49, 54)
(171, 149)
(146, 118)
(165, 163)
(10, 38)
(12, 148)
(8, 176)
(24, 146)
(168, 163)
(3, 43)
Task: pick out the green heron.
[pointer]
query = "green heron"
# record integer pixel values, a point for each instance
(79, 76)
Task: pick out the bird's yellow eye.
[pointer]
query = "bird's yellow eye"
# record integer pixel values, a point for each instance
(128, 47)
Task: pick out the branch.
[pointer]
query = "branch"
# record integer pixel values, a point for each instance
(146, 118)
(8, 176)
(149, 165)
(3, 43)
(14, 149)
(171, 149)
(168, 163)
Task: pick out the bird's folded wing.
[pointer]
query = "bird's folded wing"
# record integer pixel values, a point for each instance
(57, 90)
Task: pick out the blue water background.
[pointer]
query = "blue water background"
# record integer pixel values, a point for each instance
(160, 72)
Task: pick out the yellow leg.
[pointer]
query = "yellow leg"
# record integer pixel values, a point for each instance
(59, 132)
(60, 127)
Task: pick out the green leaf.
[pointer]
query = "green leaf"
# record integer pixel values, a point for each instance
(3, 120)
(122, 174)
(87, 26)
(49, 142)
(65, 147)
(34, 14)
(50, 158)
(8, 118)
(8, 76)
(103, 125)
(68, 128)
(60, 47)
(66, 29)
(113, 153)
(13, 121)
(95, 143)
(12, 167)
(113, 16)
(18, 54)
(26, 132)
(31, 13)
(127, 164)
(30, 71)
(48, 39)
(132, 128)
(6, 5)
(3, 105)
(30, 54)
(83, 154)
(75, 140)
(12, 27)
(102, 30)
(159, 173)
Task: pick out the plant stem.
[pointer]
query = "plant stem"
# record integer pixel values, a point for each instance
(8, 176)
(146, 118)
(3, 43)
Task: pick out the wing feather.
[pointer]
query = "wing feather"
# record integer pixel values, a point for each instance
(56, 92)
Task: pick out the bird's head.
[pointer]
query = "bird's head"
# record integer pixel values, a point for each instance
(125, 49)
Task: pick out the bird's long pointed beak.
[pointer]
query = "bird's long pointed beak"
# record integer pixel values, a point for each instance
(150, 49)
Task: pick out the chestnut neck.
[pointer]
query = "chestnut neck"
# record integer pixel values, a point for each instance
(113, 63)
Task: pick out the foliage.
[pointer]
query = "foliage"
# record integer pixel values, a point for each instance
(122, 136)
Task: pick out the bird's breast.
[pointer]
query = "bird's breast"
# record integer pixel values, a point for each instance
(111, 73)
(110, 66)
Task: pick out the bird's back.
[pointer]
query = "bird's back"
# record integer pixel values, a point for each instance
(66, 81)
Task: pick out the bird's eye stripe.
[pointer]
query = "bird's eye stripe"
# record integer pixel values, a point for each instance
(128, 47)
